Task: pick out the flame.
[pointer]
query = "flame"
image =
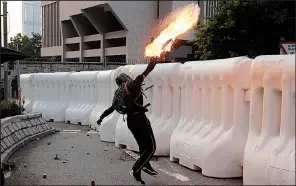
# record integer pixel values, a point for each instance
(184, 21)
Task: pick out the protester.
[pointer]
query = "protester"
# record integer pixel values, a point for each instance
(128, 99)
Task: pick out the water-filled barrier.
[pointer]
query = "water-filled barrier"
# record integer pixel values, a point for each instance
(227, 117)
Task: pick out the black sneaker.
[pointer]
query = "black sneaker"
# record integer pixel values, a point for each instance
(150, 171)
(137, 177)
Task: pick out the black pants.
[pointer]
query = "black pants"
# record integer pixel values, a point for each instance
(14, 93)
(140, 127)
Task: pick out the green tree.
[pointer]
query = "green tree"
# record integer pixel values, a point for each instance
(29, 46)
(246, 28)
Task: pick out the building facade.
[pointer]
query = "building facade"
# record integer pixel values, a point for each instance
(23, 17)
(103, 30)
(31, 17)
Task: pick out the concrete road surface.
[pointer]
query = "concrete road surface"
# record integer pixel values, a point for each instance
(83, 158)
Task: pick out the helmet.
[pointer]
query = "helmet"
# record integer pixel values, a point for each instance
(122, 78)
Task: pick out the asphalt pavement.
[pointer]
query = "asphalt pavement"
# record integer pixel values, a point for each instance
(76, 156)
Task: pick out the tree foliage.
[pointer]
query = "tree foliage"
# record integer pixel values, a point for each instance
(26, 45)
(246, 28)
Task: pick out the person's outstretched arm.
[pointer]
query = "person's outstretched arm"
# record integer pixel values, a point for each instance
(106, 113)
(140, 78)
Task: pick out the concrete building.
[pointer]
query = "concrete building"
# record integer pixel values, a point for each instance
(31, 17)
(23, 17)
(104, 30)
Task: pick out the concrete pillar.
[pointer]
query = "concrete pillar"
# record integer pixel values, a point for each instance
(81, 34)
(92, 15)
(103, 43)
(63, 42)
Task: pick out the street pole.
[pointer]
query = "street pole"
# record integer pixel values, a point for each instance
(18, 79)
(5, 66)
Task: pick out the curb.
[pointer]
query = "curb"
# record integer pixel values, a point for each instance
(7, 153)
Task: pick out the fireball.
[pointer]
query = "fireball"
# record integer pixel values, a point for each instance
(184, 21)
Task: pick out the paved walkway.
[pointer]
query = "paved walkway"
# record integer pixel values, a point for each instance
(84, 158)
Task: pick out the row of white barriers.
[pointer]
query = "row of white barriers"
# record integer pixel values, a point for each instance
(228, 117)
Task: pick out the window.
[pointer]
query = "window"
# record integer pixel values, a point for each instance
(37, 13)
(28, 29)
(209, 7)
(28, 13)
(36, 28)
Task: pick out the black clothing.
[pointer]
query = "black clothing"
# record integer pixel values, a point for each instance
(141, 129)
(14, 88)
(128, 99)
(134, 89)
(14, 83)
(14, 93)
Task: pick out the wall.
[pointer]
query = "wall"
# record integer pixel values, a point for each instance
(17, 131)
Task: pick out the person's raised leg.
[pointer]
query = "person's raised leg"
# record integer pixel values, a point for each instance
(147, 167)
(133, 125)
(149, 145)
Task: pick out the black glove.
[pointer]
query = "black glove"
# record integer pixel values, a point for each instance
(99, 121)
(150, 67)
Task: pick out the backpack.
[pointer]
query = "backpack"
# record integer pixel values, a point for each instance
(124, 102)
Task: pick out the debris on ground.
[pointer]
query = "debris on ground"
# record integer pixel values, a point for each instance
(107, 145)
(126, 157)
(56, 157)
(9, 165)
(44, 175)
(37, 139)
(57, 130)
(48, 143)
(72, 146)
(87, 153)
(106, 149)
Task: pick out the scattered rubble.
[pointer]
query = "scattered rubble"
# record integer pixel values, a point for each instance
(9, 165)
(56, 157)
(126, 157)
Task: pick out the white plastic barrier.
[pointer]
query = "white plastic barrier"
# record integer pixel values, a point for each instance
(213, 128)
(27, 93)
(51, 89)
(83, 96)
(39, 93)
(106, 89)
(166, 102)
(164, 95)
(269, 157)
(103, 80)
